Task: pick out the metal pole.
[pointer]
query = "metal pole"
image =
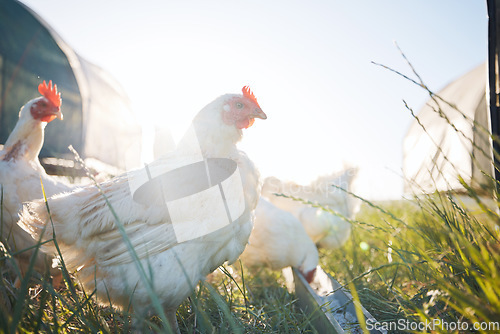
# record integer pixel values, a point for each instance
(493, 77)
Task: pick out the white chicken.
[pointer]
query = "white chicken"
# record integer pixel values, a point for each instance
(176, 241)
(21, 172)
(278, 240)
(325, 229)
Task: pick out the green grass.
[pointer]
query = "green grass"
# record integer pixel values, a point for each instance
(222, 304)
(429, 259)
(444, 265)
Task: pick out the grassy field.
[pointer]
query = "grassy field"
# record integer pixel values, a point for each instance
(426, 260)
(414, 260)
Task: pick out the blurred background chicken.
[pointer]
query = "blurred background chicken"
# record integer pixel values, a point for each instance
(325, 229)
(92, 245)
(278, 240)
(21, 173)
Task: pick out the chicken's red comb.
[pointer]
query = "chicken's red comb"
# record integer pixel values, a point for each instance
(249, 95)
(50, 93)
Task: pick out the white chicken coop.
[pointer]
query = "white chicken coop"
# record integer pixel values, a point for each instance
(98, 119)
(455, 142)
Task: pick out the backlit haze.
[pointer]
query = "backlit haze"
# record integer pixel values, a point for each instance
(308, 63)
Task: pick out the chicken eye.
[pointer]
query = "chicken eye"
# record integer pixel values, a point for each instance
(239, 105)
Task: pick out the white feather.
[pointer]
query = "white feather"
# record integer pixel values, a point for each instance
(278, 240)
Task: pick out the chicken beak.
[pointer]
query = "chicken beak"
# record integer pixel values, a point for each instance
(59, 115)
(258, 113)
(56, 111)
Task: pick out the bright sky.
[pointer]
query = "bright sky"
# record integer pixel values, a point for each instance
(308, 63)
